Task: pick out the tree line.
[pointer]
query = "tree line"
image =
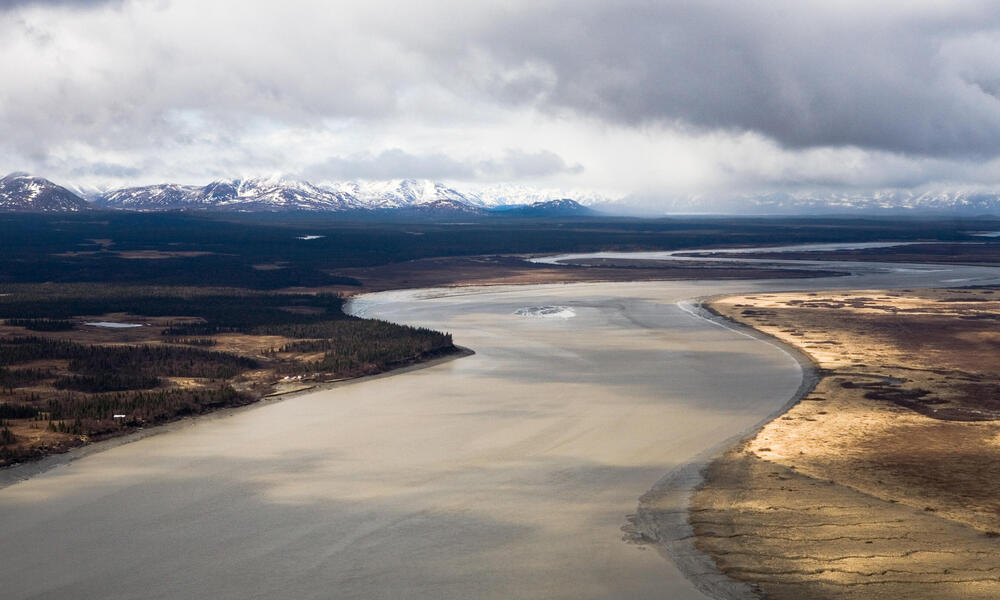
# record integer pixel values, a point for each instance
(42, 324)
(114, 368)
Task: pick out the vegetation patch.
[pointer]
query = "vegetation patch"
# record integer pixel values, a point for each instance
(43, 324)
(205, 348)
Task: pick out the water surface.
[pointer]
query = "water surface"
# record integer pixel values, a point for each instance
(507, 474)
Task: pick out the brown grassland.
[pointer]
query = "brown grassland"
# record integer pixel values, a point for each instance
(883, 481)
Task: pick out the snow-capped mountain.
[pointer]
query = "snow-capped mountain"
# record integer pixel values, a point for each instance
(19, 191)
(254, 194)
(150, 197)
(285, 194)
(894, 201)
(564, 207)
(88, 192)
(879, 201)
(22, 192)
(520, 195)
(442, 206)
(945, 201)
(401, 193)
(278, 193)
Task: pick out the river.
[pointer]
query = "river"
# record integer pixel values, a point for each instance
(506, 474)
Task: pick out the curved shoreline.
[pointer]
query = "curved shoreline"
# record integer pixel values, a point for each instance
(23, 471)
(668, 529)
(382, 428)
(864, 489)
(550, 433)
(662, 517)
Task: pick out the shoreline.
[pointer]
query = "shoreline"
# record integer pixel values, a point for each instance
(879, 484)
(668, 530)
(493, 270)
(496, 462)
(332, 447)
(24, 471)
(662, 518)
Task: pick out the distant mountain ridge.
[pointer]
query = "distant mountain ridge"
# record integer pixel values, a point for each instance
(428, 197)
(879, 202)
(564, 207)
(418, 197)
(403, 193)
(403, 196)
(23, 192)
(256, 194)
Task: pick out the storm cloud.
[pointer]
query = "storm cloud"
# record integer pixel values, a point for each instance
(397, 163)
(908, 77)
(631, 96)
(11, 4)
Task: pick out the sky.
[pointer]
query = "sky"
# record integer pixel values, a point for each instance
(624, 97)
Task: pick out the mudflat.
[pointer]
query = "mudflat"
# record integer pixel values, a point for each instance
(881, 483)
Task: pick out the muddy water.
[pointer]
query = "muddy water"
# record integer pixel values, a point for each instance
(507, 474)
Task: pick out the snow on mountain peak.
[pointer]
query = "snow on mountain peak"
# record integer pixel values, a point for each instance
(23, 192)
(279, 192)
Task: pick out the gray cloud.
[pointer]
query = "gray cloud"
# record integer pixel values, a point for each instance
(901, 77)
(396, 163)
(103, 169)
(10, 4)
(389, 164)
(517, 164)
(645, 93)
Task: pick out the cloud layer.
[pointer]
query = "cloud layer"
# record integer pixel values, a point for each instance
(908, 78)
(632, 96)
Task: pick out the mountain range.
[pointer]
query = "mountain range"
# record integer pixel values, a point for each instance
(23, 192)
(967, 202)
(413, 197)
